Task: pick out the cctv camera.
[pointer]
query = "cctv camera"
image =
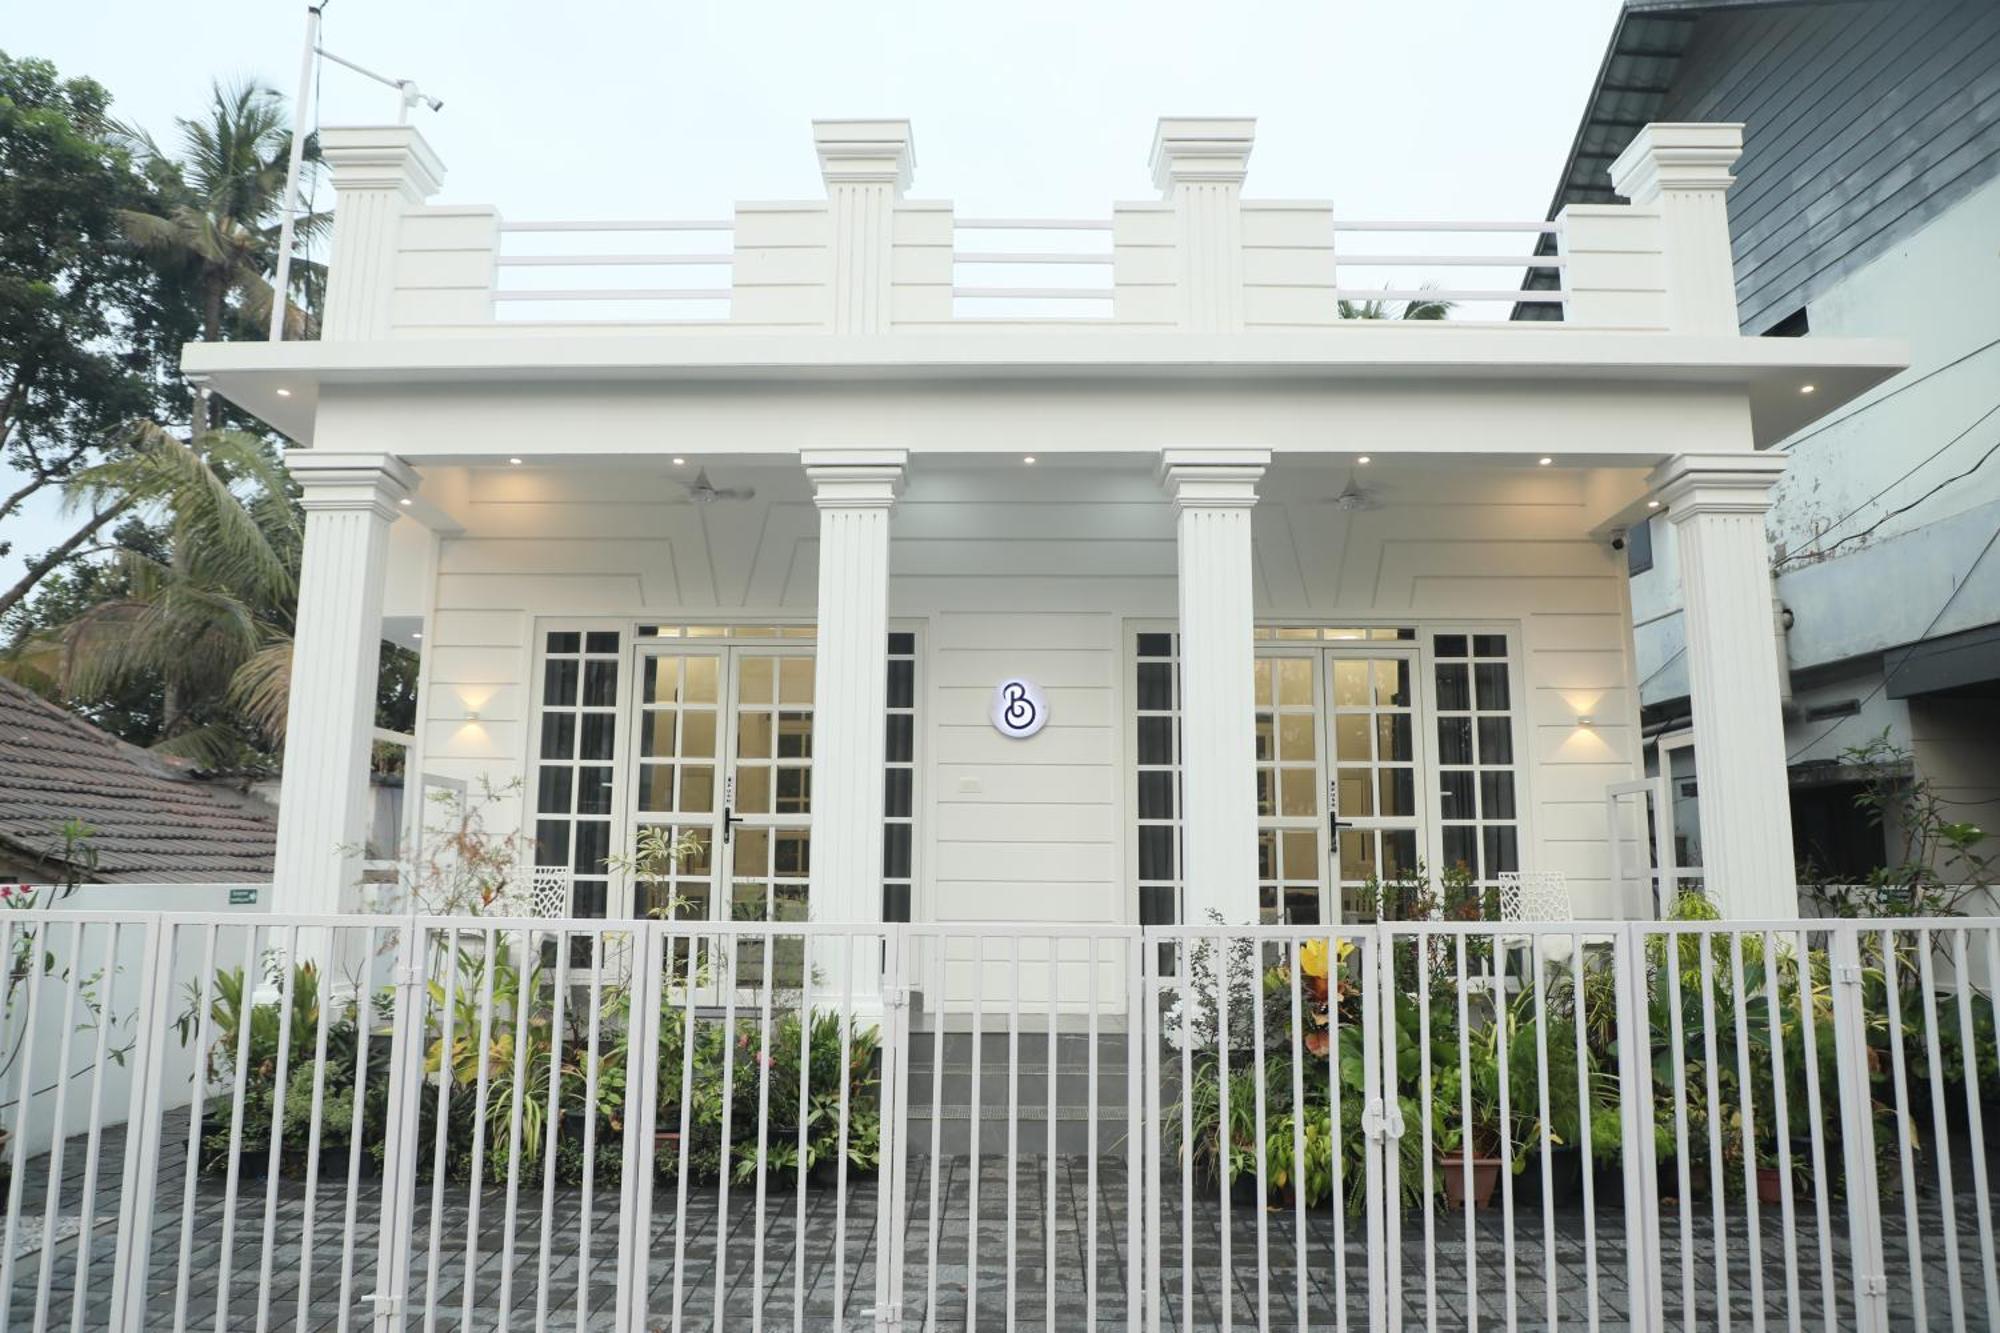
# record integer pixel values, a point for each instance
(1617, 543)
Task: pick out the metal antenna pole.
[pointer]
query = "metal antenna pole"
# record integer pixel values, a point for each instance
(288, 224)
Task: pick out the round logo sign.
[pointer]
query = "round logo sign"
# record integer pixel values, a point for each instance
(1019, 710)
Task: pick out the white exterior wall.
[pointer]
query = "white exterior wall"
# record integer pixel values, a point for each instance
(1045, 572)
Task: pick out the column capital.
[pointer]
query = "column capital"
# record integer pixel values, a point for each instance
(377, 482)
(1689, 485)
(1211, 150)
(381, 157)
(1213, 478)
(1677, 156)
(865, 152)
(854, 478)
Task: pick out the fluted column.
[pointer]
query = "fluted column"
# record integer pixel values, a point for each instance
(379, 172)
(1214, 490)
(854, 492)
(350, 500)
(1683, 171)
(866, 165)
(1199, 164)
(1716, 503)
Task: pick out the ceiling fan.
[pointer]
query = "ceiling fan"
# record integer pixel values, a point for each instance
(1352, 497)
(703, 491)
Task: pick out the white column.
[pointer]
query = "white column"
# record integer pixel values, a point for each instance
(854, 492)
(1683, 171)
(379, 172)
(1716, 503)
(866, 165)
(350, 501)
(1213, 490)
(1199, 164)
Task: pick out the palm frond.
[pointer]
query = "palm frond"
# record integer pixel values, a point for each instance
(211, 745)
(262, 688)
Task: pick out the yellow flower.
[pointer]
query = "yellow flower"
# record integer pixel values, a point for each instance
(1312, 958)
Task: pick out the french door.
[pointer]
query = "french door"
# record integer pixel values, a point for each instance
(1340, 791)
(724, 756)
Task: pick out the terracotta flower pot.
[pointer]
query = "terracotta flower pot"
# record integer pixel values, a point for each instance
(1770, 1185)
(1485, 1175)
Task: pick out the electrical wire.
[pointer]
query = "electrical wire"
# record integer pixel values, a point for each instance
(1890, 675)
(1820, 552)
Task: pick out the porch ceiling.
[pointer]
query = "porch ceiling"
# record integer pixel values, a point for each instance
(282, 382)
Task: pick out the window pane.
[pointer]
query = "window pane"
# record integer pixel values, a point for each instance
(1267, 791)
(1297, 792)
(794, 791)
(1350, 684)
(697, 789)
(593, 845)
(1156, 905)
(1455, 796)
(795, 680)
(553, 796)
(1357, 792)
(601, 641)
(902, 741)
(1496, 740)
(1453, 694)
(1301, 848)
(1156, 645)
(593, 790)
(600, 684)
(1491, 680)
(656, 734)
(565, 641)
(902, 645)
(902, 684)
(896, 851)
(1461, 847)
(1393, 738)
(559, 683)
(1295, 681)
(552, 842)
(1392, 685)
(1501, 851)
(558, 735)
(1156, 740)
(1156, 796)
(1265, 744)
(795, 735)
(599, 730)
(1399, 852)
(662, 680)
(1496, 795)
(1297, 738)
(1489, 645)
(1399, 791)
(656, 787)
(754, 677)
(1448, 645)
(1267, 853)
(753, 790)
(1156, 686)
(1454, 740)
(698, 734)
(1156, 852)
(1350, 739)
(897, 784)
(701, 678)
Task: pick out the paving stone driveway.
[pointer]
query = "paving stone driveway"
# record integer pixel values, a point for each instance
(829, 1280)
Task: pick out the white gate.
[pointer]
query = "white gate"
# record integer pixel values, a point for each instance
(248, 1122)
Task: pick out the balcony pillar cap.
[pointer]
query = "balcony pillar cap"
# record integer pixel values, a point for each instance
(1191, 150)
(1677, 156)
(865, 152)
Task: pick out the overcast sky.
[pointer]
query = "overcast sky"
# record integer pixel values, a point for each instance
(596, 108)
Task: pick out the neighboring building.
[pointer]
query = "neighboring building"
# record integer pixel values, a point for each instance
(799, 555)
(1866, 204)
(147, 820)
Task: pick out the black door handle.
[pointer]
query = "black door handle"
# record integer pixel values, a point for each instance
(728, 822)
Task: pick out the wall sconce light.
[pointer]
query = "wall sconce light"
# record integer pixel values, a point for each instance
(472, 715)
(1586, 720)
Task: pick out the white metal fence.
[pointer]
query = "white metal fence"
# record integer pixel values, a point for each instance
(258, 1122)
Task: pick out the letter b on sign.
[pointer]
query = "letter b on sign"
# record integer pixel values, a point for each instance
(1019, 710)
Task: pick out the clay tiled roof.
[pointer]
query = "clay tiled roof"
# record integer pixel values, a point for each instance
(151, 820)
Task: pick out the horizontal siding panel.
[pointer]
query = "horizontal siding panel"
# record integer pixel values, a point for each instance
(1048, 821)
(1051, 668)
(1054, 744)
(1025, 862)
(1032, 781)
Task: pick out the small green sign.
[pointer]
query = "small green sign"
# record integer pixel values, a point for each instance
(243, 897)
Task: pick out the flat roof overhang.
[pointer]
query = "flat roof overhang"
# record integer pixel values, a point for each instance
(280, 383)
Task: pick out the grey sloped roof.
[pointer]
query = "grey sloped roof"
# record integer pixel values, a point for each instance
(151, 821)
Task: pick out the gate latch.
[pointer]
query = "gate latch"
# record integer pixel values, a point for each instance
(1377, 1123)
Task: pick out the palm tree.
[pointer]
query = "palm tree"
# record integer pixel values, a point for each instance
(212, 622)
(1421, 308)
(223, 201)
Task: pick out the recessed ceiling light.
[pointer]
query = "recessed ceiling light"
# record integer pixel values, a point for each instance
(404, 501)
(1363, 459)
(284, 393)
(515, 461)
(1807, 388)
(416, 634)
(680, 462)
(1544, 462)
(1652, 504)
(1028, 458)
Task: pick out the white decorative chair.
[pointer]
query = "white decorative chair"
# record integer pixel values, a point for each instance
(551, 891)
(1534, 895)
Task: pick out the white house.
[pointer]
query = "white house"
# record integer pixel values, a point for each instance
(760, 527)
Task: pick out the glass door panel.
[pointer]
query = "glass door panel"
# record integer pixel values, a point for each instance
(1291, 858)
(768, 816)
(1374, 794)
(679, 717)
